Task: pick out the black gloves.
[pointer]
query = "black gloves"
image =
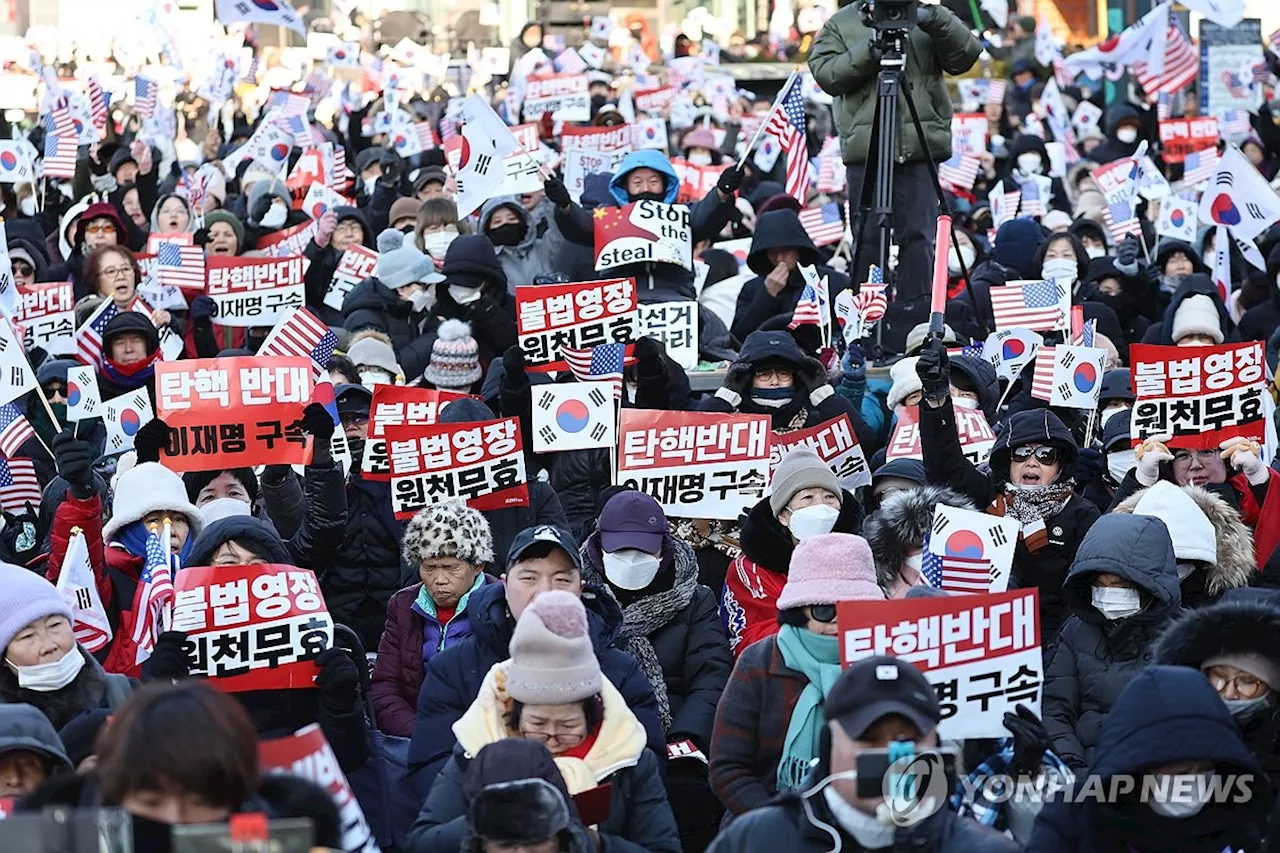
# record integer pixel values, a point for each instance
(337, 680)
(74, 461)
(1089, 466)
(730, 180)
(203, 308)
(151, 439)
(1127, 257)
(260, 207)
(168, 661)
(392, 169)
(649, 360)
(934, 370)
(557, 192)
(513, 363)
(1030, 740)
(317, 422)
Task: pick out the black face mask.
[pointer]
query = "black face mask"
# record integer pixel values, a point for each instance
(647, 196)
(505, 235)
(597, 101)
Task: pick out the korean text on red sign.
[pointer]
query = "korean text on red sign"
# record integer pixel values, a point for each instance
(481, 463)
(356, 264)
(1198, 395)
(254, 291)
(835, 442)
(234, 412)
(563, 95)
(586, 314)
(980, 652)
(398, 405)
(46, 317)
(1182, 136)
(976, 436)
(252, 627)
(695, 464)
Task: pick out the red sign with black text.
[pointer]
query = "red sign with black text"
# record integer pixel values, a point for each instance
(1198, 397)
(480, 463)
(393, 406)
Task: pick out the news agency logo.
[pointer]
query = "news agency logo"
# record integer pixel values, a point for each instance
(915, 788)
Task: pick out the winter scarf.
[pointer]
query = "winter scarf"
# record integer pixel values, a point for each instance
(133, 538)
(817, 658)
(1030, 506)
(131, 376)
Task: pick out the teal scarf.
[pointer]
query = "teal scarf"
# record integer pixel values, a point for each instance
(817, 658)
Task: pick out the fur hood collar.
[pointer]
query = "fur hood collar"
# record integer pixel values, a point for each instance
(1223, 628)
(899, 525)
(1235, 566)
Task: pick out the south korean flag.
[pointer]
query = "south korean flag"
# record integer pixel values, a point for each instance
(1077, 377)
(573, 416)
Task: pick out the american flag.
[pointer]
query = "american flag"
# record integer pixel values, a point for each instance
(823, 224)
(97, 104)
(1234, 123)
(18, 485)
(1181, 64)
(1042, 378)
(154, 596)
(952, 573)
(807, 311)
(302, 333)
(786, 123)
(251, 73)
(995, 91)
(60, 142)
(1200, 166)
(1034, 305)
(289, 103)
(569, 62)
(959, 173)
(831, 173)
(1274, 39)
(426, 136)
(597, 364)
(179, 266)
(448, 128)
(14, 430)
(341, 174)
(1032, 204)
(89, 336)
(1088, 334)
(145, 92)
(1164, 106)
(1062, 74)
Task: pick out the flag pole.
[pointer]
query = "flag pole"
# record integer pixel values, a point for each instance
(53, 419)
(759, 130)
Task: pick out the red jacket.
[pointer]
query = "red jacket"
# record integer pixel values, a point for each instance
(749, 605)
(1264, 519)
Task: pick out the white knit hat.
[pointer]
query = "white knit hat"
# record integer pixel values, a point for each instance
(1193, 535)
(144, 489)
(1197, 315)
(455, 356)
(905, 381)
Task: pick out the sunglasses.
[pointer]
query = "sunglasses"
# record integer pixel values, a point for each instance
(22, 268)
(1043, 455)
(822, 612)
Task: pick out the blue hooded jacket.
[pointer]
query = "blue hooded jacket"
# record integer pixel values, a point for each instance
(646, 158)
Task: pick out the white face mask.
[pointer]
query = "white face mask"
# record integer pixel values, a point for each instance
(953, 259)
(1030, 163)
(370, 184)
(964, 402)
(813, 521)
(1120, 462)
(1127, 134)
(630, 568)
(699, 158)
(464, 295)
(275, 215)
(1063, 270)
(870, 832)
(1094, 251)
(28, 206)
(437, 242)
(370, 378)
(48, 677)
(1116, 602)
(423, 299)
(1180, 795)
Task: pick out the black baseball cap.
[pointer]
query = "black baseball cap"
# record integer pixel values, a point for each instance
(557, 536)
(877, 687)
(352, 399)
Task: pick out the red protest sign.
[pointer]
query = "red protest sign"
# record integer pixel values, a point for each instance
(976, 435)
(1182, 136)
(695, 464)
(254, 291)
(643, 232)
(527, 136)
(696, 181)
(234, 412)
(289, 241)
(606, 139)
(834, 441)
(581, 315)
(393, 406)
(356, 264)
(481, 463)
(307, 754)
(1200, 396)
(252, 627)
(46, 317)
(654, 100)
(980, 652)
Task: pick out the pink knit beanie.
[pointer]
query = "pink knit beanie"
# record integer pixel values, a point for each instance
(830, 568)
(552, 659)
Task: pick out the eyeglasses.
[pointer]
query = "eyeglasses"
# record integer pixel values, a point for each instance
(822, 613)
(100, 228)
(115, 272)
(353, 420)
(1246, 685)
(563, 738)
(1204, 457)
(1044, 455)
(780, 373)
(22, 268)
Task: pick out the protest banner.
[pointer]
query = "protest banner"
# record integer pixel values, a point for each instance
(522, 175)
(643, 232)
(307, 755)
(1198, 395)
(675, 325)
(356, 264)
(481, 463)
(254, 291)
(969, 133)
(603, 139)
(287, 242)
(834, 441)
(234, 412)
(579, 164)
(696, 182)
(581, 315)
(654, 101)
(695, 464)
(1182, 136)
(976, 436)
(966, 551)
(252, 627)
(1224, 51)
(573, 416)
(44, 311)
(563, 95)
(980, 652)
(398, 405)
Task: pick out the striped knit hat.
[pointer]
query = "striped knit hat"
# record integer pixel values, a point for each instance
(455, 356)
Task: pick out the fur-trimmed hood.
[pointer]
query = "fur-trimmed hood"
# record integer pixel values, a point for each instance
(1235, 566)
(1225, 628)
(899, 525)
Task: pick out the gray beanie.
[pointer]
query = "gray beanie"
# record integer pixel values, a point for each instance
(399, 264)
(800, 469)
(374, 352)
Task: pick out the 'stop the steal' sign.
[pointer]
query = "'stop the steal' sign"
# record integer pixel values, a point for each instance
(1198, 396)
(643, 232)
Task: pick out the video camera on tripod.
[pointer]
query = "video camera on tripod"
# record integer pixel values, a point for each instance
(893, 16)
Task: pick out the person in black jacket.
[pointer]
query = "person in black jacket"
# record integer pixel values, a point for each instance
(1013, 258)
(1261, 321)
(1030, 480)
(672, 628)
(475, 290)
(1028, 158)
(338, 230)
(1173, 328)
(1122, 591)
(1123, 125)
(779, 247)
(130, 350)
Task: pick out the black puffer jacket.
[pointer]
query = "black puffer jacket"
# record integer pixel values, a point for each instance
(369, 305)
(1194, 284)
(1096, 657)
(945, 465)
(324, 263)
